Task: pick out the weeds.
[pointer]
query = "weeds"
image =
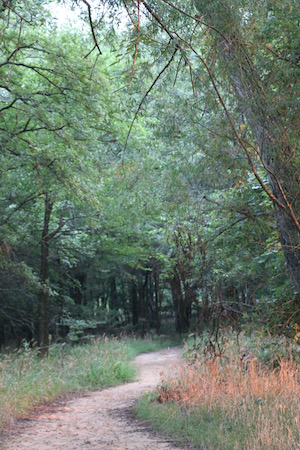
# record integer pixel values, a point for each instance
(27, 380)
(230, 402)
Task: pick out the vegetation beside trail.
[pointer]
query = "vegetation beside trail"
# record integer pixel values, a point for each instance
(232, 401)
(27, 380)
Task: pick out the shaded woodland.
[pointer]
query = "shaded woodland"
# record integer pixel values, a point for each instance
(149, 168)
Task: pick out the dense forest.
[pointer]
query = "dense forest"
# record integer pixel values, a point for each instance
(149, 167)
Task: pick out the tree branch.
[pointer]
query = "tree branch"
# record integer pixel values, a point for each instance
(19, 206)
(51, 235)
(91, 25)
(144, 98)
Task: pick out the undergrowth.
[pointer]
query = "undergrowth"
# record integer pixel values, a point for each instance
(230, 401)
(27, 380)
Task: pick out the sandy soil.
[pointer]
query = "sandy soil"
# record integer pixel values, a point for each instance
(97, 420)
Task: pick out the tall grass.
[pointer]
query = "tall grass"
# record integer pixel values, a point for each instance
(27, 380)
(229, 403)
(135, 346)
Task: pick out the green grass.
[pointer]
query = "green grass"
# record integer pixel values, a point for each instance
(200, 427)
(26, 380)
(136, 346)
(226, 403)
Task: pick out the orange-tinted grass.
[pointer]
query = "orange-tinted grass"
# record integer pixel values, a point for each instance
(266, 401)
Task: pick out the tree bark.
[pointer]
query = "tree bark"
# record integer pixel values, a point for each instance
(44, 274)
(44, 296)
(267, 128)
(143, 320)
(282, 176)
(157, 294)
(134, 304)
(181, 318)
(113, 301)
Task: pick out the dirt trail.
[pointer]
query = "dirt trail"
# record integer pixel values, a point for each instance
(97, 420)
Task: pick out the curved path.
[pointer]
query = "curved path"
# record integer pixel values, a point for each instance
(99, 420)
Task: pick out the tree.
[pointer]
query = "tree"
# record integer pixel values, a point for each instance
(51, 108)
(250, 66)
(257, 81)
(137, 176)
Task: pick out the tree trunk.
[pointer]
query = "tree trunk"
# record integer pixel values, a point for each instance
(282, 177)
(267, 129)
(181, 319)
(134, 304)
(143, 321)
(157, 296)
(113, 301)
(43, 296)
(190, 298)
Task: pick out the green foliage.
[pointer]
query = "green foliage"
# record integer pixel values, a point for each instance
(66, 113)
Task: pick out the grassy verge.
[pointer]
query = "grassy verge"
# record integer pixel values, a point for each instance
(135, 346)
(26, 380)
(229, 403)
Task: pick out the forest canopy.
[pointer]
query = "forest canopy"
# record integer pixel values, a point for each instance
(149, 167)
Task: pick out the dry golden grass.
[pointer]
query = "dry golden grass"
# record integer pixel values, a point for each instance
(266, 401)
